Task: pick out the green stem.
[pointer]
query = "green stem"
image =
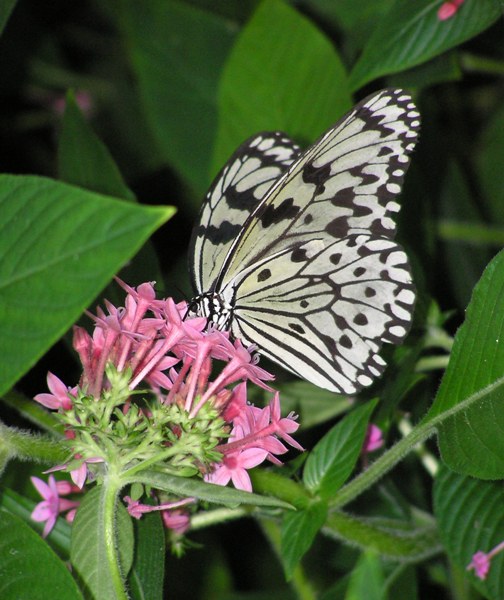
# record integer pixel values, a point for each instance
(17, 443)
(481, 64)
(110, 491)
(382, 465)
(141, 466)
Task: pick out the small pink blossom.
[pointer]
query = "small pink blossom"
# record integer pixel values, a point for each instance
(52, 505)
(83, 99)
(176, 520)
(59, 396)
(448, 9)
(374, 439)
(234, 468)
(173, 519)
(481, 561)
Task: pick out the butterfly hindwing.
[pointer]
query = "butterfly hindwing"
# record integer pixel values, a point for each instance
(235, 193)
(314, 276)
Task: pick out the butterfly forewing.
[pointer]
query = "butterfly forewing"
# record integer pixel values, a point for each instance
(234, 195)
(314, 276)
(345, 183)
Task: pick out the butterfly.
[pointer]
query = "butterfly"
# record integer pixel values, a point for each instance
(294, 251)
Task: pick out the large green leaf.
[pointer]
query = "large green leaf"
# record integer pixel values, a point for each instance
(410, 33)
(92, 540)
(59, 246)
(84, 160)
(470, 515)
(283, 74)
(472, 441)
(177, 52)
(28, 566)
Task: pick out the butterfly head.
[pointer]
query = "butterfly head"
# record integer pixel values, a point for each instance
(215, 307)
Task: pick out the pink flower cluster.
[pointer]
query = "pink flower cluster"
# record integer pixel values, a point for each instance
(175, 357)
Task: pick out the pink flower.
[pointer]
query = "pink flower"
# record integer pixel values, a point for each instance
(373, 440)
(481, 561)
(448, 9)
(176, 520)
(234, 468)
(59, 396)
(52, 505)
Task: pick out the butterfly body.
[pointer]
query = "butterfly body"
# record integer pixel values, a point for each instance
(295, 252)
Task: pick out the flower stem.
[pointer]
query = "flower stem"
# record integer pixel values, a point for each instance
(382, 465)
(141, 466)
(110, 490)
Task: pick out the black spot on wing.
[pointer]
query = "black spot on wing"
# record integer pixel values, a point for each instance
(297, 328)
(222, 234)
(338, 227)
(273, 215)
(299, 255)
(317, 176)
(264, 275)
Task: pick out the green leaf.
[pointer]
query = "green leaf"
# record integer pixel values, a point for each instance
(217, 494)
(410, 33)
(22, 507)
(147, 573)
(391, 538)
(177, 52)
(91, 543)
(460, 228)
(470, 515)
(264, 85)
(313, 404)
(83, 160)
(59, 246)
(298, 532)
(489, 164)
(471, 442)
(367, 579)
(333, 458)
(6, 7)
(28, 566)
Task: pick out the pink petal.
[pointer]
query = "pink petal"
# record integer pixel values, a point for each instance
(79, 475)
(48, 400)
(42, 512)
(42, 488)
(241, 480)
(252, 457)
(50, 523)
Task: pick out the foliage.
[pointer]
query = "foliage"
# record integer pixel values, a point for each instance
(115, 118)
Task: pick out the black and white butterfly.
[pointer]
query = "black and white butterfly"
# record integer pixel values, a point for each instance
(295, 251)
